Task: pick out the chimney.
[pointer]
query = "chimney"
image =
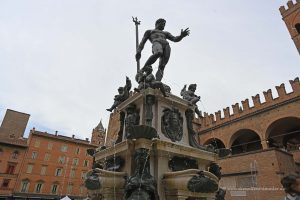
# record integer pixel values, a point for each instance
(73, 136)
(56, 132)
(87, 139)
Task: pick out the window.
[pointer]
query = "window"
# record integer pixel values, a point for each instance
(37, 143)
(75, 161)
(10, 169)
(77, 151)
(43, 170)
(54, 189)
(15, 154)
(83, 174)
(297, 26)
(29, 168)
(81, 190)
(38, 187)
(34, 155)
(61, 159)
(69, 188)
(64, 148)
(1, 152)
(72, 173)
(50, 145)
(5, 183)
(85, 163)
(58, 172)
(24, 186)
(47, 157)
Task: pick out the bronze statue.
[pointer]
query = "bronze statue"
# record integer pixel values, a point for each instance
(141, 185)
(122, 96)
(160, 46)
(190, 96)
(146, 79)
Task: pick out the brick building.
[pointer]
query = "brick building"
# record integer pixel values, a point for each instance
(291, 17)
(98, 135)
(44, 165)
(12, 150)
(54, 166)
(264, 139)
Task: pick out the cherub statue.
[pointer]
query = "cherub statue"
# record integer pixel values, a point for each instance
(190, 96)
(122, 96)
(146, 79)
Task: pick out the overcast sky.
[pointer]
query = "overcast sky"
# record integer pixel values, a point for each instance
(62, 61)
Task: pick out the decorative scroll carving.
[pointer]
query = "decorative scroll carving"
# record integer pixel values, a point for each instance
(203, 184)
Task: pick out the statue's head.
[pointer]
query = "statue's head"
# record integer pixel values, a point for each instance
(120, 90)
(141, 156)
(192, 87)
(131, 108)
(150, 99)
(160, 24)
(148, 69)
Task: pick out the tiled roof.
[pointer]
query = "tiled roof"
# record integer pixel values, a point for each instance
(62, 137)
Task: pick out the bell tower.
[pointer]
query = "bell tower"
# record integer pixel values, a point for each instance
(291, 17)
(98, 135)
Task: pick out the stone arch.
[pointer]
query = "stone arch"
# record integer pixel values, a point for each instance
(216, 142)
(284, 133)
(245, 140)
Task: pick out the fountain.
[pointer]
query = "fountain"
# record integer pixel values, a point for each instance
(155, 154)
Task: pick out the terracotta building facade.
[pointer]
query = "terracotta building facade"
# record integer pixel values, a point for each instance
(265, 142)
(54, 166)
(44, 165)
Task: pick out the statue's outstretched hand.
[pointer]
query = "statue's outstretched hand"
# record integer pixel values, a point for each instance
(185, 32)
(138, 56)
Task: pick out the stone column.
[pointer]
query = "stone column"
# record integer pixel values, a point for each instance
(264, 144)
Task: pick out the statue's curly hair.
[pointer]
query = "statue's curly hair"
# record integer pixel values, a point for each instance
(191, 86)
(160, 20)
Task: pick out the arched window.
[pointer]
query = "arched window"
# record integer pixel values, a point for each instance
(297, 26)
(15, 154)
(217, 143)
(24, 185)
(39, 186)
(245, 140)
(284, 133)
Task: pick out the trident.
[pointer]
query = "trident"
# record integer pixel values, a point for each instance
(137, 23)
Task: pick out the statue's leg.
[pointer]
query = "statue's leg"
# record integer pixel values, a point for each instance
(164, 59)
(116, 103)
(157, 51)
(198, 112)
(160, 86)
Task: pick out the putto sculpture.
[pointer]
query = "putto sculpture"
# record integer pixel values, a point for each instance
(122, 96)
(191, 97)
(160, 46)
(146, 79)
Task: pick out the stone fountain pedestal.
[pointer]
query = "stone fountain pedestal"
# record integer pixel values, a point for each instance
(155, 156)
